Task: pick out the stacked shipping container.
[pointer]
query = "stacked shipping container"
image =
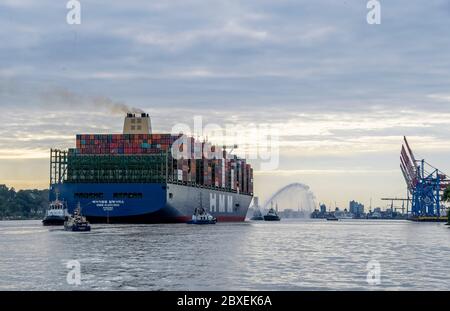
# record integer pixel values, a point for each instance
(211, 169)
(125, 143)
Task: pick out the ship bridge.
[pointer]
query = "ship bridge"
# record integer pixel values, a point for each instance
(137, 124)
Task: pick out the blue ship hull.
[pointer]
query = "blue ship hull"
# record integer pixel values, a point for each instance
(150, 202)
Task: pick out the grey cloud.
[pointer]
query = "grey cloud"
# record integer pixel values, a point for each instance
(249, 61)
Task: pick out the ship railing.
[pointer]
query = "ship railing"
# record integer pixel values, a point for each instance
(194, 184)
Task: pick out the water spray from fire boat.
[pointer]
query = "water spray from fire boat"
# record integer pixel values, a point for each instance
(295, 200)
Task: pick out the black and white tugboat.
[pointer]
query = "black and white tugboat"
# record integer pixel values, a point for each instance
(272, 214)
(202, 217)
(77, 222)
(56, 213)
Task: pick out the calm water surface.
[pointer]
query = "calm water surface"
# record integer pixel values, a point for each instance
(288, 255)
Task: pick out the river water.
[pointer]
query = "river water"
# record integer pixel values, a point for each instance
(286, 255)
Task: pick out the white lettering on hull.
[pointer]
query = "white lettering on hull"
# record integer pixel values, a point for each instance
(212, 202)
(220, 203)
(230, 204)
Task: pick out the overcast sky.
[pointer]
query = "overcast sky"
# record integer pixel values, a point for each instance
(341, 92)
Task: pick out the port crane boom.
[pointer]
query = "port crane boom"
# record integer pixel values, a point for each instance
(424, 182)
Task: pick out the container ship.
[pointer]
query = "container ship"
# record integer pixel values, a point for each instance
(136, 177)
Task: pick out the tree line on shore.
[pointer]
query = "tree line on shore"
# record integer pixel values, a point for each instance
(22, 204)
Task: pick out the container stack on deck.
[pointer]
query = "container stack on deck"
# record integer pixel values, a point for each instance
(147, 158)
(125, 143)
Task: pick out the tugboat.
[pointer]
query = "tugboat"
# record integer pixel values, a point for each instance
(272, 215)
(56, 213)
(202, 217)
(77, 222)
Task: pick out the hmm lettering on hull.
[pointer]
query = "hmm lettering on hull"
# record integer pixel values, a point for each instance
(220, 203)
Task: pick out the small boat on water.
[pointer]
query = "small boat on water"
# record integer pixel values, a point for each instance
(332, 218)
(56, 214)
(202, 217)
(77, 222)
(272, 215)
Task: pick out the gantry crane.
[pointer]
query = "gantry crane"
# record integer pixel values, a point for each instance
(424, 182)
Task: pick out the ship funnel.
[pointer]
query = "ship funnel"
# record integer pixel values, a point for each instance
(140, 124)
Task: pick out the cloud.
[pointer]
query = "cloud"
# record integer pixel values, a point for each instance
(181, 40)
(323, 172)
(306, 134)
(21, 4)
(440, 97)
(15, 71)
